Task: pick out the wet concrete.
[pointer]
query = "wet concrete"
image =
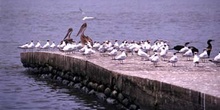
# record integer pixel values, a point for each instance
(163, 87)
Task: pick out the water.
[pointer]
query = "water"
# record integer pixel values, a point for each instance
(25, 20)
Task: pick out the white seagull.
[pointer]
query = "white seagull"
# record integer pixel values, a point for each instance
(203, 55)
(38, 45)
(142, 54)
(121, 57)
(188, 54)
(25, 46)
(154, 59)
(113, 53)
(53, 45)
(173, 59)
(31, 45)
(47, 45)
(216, 59)
(196, 59)
(86, 17)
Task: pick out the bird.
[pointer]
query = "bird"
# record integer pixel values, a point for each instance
(38, 45)
(154, 59)
(173, 59)
(53, 45)
(67, 38)
(47, 45)
(85, 17)
(121, 57)
(84, 39)
(185, 48)
(143, 55)
(24, 46)
(88, 51)
(31, 45)
(209, 47)
(216, 59)
(163, 53)
(196, 59)
(61, 45)
(179, 47)
(188, 53)
(113, 53)
(203, 55)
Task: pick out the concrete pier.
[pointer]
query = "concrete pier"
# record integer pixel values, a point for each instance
(164, 87)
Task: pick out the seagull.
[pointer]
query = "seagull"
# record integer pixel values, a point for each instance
(47, 45)
(85, 17)
(113, 53)
(173, 59)
(196, 59)
(62, 45)
(53, 45)
(204, 55)
(38, 45)
(163, 53)
(142, 54)
(88, 51)
(154, 59)
(25, 46)
(216, 59)
(185, 48)
(121, 57)
(188, 54)
(31, 45)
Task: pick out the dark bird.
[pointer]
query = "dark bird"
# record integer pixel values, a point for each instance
(67, 38)
(209, 48)
(84, 39)
(179, 47)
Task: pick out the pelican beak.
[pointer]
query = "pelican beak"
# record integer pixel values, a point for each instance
(82, 28)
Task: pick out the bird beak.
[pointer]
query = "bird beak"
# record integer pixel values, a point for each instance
(81, 29)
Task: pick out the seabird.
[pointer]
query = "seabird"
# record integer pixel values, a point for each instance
(196, 59)
(38, 45)
(188, 53)
(25, 46)
(173, 59)
(216, 59)
(53, 45)
(31, 45)
(121, 57)
(154, 59)
(163, 53)
(113, 53)
(88, 51)
(209, 47)
(84, 39)
(142, 54)
(47, 45)
(179, 47)
(85, 17)
(203, 55)
(67, 38)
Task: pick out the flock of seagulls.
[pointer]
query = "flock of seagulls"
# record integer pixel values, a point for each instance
(147, 51)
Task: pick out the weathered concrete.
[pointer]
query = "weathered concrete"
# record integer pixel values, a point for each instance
(184, 87)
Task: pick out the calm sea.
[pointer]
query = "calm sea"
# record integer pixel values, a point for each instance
(21, 21)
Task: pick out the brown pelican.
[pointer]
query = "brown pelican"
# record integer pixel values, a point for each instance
(84, 39)
(67, 38)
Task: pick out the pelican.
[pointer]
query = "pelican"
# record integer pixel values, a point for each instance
(84, 39)
(67, 38)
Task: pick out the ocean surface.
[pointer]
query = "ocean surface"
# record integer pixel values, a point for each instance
(21, 21)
